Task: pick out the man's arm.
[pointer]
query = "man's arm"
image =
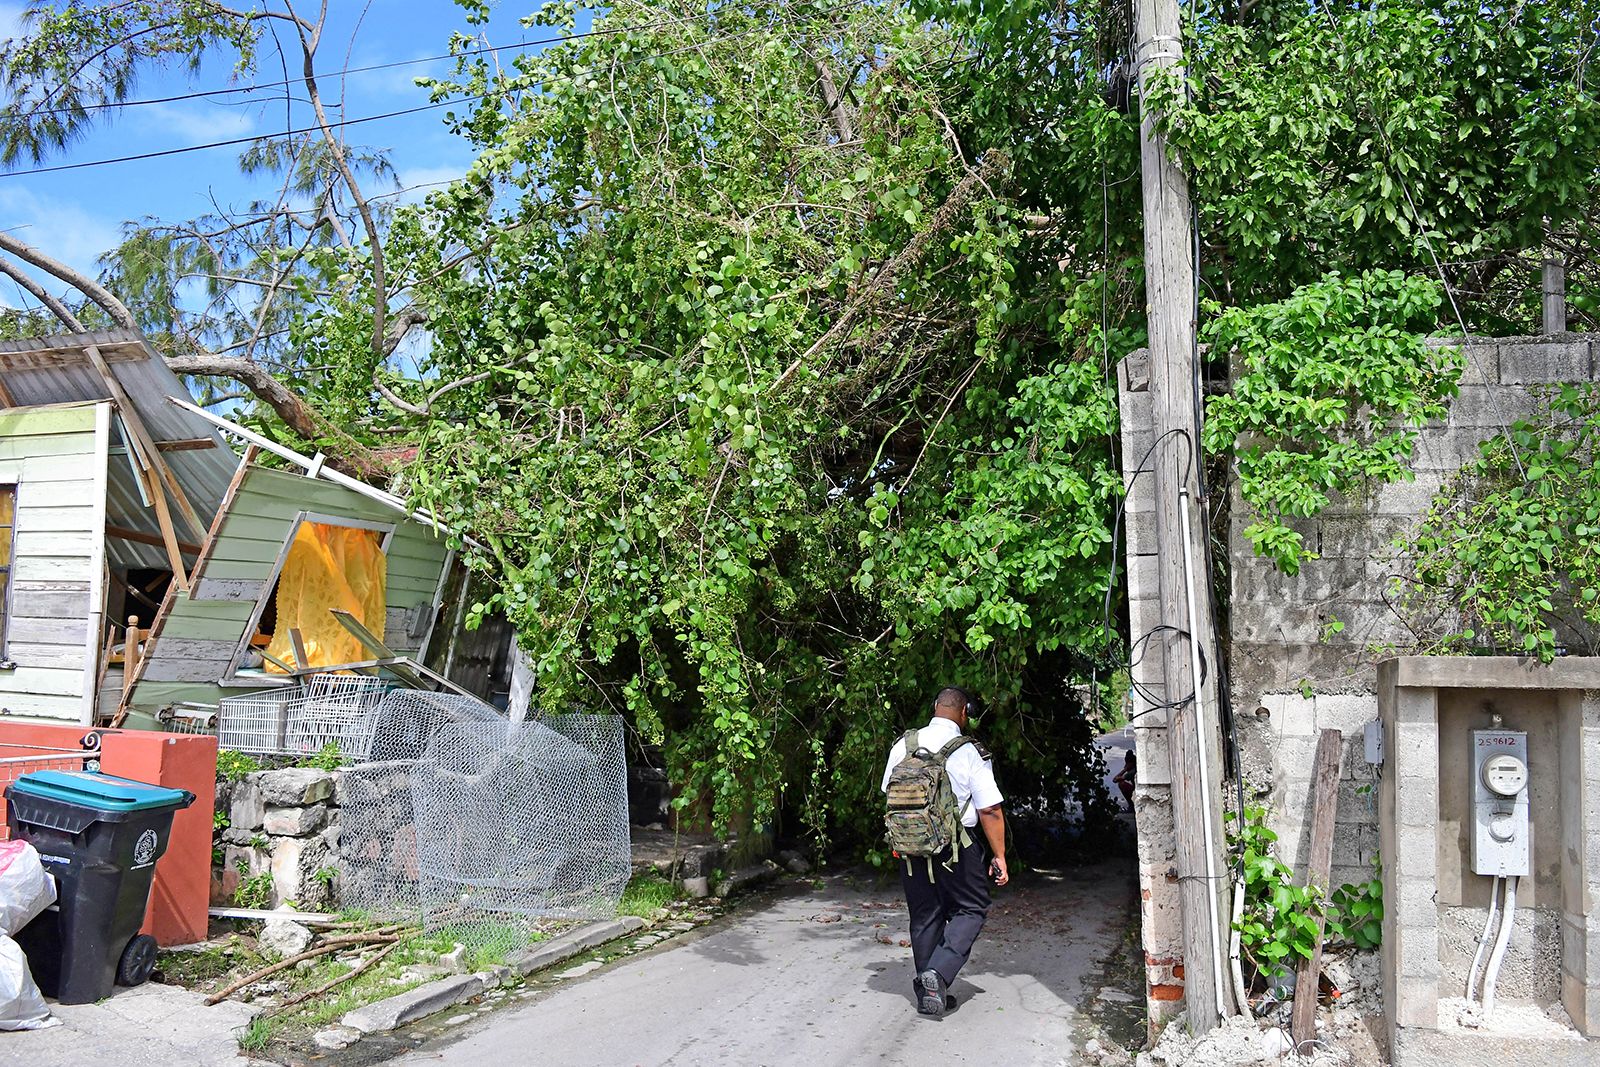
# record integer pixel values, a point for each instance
(993, 821)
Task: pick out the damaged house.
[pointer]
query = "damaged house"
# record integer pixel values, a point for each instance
(148, 570)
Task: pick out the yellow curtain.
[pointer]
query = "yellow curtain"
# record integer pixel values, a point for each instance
(329, 567)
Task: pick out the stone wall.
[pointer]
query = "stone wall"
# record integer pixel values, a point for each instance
(1292, 675)
(283, 824)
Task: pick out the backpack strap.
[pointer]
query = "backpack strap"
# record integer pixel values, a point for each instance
(954, 745)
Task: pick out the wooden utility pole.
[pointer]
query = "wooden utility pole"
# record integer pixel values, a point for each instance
(1191, 727)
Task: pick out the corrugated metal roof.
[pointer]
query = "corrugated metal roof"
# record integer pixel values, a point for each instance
(54, 370)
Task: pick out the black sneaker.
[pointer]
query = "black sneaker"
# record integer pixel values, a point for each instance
(932, 999)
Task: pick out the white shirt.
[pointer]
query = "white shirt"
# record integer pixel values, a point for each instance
(971, 776)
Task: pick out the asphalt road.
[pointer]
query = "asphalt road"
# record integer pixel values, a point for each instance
(785, 983)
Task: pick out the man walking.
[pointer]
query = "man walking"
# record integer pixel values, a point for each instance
(940, 787)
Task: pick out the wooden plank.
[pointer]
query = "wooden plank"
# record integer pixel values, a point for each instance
(169, 533)
(56, 517)
(240, 570)
(1324, 810)
(188, 444)
(49, 631)
(169, 669)
(43, 681)
(61, 657)
(26, 706)
(51, 605)
(64, 543)
(5, 395)
(42, 445)
(141, 440)
(69, 418)
(223, 511)
(52, 569)
(142, 538)
(249, 589)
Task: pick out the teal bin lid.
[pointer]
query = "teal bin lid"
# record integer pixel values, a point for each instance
(102, 792)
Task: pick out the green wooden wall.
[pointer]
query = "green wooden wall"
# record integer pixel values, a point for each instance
(197, 635)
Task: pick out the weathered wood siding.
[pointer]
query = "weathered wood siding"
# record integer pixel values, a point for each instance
(198, 635)
(56, 457)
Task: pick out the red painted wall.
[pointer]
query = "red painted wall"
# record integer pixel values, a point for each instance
(182, 889)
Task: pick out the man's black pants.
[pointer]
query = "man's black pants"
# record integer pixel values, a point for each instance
(947, 912)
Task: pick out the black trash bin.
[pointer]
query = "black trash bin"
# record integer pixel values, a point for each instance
(100, 836)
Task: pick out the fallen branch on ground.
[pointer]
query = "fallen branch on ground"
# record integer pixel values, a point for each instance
(359, 969)
(383, 935)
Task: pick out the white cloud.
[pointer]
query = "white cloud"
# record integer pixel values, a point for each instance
(199, 124)
(59, 228)
(418, 182)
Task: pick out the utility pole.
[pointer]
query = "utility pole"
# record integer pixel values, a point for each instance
(1183, 579)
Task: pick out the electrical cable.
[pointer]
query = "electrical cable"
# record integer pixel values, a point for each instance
(544, 83)
(346, 71)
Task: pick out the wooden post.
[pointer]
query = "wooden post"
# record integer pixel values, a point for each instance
(1554, 296)
(1191, 730)
(1324, 810)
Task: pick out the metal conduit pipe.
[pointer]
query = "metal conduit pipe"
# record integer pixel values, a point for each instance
(1241, 998)
(1483, 942)
(1500, 942)
(1205, 767)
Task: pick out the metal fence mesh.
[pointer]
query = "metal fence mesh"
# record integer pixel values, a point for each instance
(483, 826)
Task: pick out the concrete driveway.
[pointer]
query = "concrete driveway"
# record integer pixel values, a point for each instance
(811, 977)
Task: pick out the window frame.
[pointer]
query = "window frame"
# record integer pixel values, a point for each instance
(270, 584)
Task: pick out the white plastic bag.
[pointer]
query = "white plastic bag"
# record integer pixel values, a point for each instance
(22, 1006)
(26, 888)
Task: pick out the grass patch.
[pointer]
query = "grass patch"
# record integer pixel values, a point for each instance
(203, 968)
(646, 893)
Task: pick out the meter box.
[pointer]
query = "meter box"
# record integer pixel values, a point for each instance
(1500, 839)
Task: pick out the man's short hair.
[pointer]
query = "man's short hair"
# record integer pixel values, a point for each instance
(952, 698)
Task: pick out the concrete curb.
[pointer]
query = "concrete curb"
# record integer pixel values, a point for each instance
(395, 1011)
(555, 951)
(747, 878)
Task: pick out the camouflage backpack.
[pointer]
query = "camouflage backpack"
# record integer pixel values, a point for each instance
(922, 817)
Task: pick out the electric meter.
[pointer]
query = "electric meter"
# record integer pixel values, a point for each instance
(1505, 775)
(1501, 841)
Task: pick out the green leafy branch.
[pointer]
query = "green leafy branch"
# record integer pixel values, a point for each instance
(1330, 388)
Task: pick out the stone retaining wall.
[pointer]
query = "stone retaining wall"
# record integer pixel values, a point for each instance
(285, 824)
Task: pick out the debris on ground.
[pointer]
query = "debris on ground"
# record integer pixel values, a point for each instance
(1346, 1023)
(1238, 1042)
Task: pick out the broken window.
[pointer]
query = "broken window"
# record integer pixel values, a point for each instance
(329, 564)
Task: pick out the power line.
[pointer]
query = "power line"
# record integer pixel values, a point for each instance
(544, 83)
(346, 71)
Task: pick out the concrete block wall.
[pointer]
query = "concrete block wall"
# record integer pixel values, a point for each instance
(1292, 674)
(1161, 922)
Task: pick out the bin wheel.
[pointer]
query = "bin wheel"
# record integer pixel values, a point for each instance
(138, 960)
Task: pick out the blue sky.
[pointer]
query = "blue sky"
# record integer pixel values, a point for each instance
(76, 215)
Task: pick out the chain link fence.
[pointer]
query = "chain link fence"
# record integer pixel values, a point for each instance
(481, 827)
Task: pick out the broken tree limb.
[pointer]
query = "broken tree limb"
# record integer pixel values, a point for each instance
(1324, 809)
(374, 937)
(360, 968)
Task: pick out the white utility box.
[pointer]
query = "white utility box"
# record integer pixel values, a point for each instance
(1500, 839)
